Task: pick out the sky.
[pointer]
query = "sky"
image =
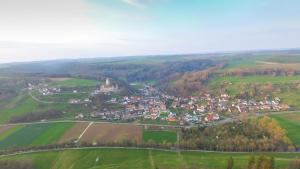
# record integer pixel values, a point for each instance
(56, 29)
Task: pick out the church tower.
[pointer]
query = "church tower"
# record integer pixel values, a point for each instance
(107, 82)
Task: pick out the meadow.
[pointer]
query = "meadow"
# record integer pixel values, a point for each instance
(107, 158)
(238, 84)
(159, 136)
(61, 97)
(73, 82)
(291, 123)
(262, 79)
(33, 134)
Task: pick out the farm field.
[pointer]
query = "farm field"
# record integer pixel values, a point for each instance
(24, 104)
(61, 97)
(108, 133)
(159, 136)
(291, 123)
(237, 84)
(53, 134)
(73, 133)
(291, 98)
(33, 134)
(147, 159)
(261, 79)
(262, 61)
(74, 82)
(8, 130)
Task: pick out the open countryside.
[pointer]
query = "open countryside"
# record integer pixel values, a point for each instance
(149, 84)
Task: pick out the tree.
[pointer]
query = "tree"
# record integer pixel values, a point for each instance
(230, 163)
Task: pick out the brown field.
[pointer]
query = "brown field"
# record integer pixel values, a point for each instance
(294, 66)
(293, 117)
(73, 133)
(59, 79)
(108, 133)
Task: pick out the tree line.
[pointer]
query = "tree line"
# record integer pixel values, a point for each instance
(264, 134)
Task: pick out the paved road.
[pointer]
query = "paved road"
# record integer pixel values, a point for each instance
(128, 148)
(92, 122)
(227, 120)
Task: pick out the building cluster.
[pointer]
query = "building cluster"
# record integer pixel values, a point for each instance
(44, 89)
(153, 104)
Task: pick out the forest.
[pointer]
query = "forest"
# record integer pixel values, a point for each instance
(249, 135)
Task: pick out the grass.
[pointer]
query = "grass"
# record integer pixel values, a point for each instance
(35, 135)
(75, 82)
(237, 84)
(291, 98)
(263, 79)
(24, 104)
(20, 105)
(10, 132)
(53, 134)
(25, 136)
(61, 97)
(291, 123)
(160, 136)
(146, 159)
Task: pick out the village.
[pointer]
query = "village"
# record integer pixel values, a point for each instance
(151, 104)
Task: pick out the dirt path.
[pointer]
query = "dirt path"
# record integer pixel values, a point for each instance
(91, 123)
(38, 100)
(151, 160)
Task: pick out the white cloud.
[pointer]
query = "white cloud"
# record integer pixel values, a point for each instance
(55, 21)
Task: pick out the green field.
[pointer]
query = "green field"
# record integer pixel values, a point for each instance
(291, 123)
(20, 105)
(262, 79)
(23, 104)
(75, 82)
(34, 135)
(291, 98)
(52, 134)
(160, 136)
(61, 97)
(141, 159)
(10, 132)
(237, 84)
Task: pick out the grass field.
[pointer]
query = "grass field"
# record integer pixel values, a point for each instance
(263, 79)
(236, 84)
(18, 106)
(142, 159)
(33, 135)
(10, 131)
(291, 98)
(160, 136)
(74, 82)
(291, 123)
(23, 104)
(61, 97)
(53, 134)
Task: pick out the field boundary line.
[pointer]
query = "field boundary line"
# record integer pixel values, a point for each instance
(135, 148)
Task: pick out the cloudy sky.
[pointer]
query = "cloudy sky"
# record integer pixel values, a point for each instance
(52, 29)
